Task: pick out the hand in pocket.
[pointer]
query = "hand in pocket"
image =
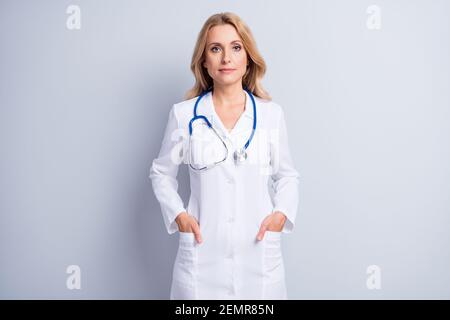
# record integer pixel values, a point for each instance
(187, 223)
(273, 222)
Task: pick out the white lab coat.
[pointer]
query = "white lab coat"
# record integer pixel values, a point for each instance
(229, 202)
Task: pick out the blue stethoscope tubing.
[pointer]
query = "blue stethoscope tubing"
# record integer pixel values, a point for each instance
(209, 123)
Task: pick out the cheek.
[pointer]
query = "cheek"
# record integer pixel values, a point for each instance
(242, 61)
(212, 60)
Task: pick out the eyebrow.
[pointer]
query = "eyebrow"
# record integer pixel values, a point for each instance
(234, 41)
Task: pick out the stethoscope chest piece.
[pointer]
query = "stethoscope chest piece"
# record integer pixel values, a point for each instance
(240, 155)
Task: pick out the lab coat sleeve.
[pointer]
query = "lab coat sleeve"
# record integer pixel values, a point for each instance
(285, 178)
(163, 173)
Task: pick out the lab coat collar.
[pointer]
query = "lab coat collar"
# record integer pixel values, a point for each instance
(243, 125)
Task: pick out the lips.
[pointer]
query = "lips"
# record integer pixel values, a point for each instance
(226, 70)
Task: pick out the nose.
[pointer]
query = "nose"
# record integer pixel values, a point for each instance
(226, 57)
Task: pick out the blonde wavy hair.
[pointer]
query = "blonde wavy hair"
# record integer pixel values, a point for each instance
(256, 68)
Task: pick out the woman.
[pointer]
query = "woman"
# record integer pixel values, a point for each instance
(230, 233)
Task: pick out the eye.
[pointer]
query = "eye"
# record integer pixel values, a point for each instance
(237, 47)
(212, 49)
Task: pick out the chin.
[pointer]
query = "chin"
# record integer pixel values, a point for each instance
(224, 81)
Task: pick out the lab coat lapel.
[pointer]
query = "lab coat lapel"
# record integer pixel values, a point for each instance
(244, 124)
(243, 127)
(214, 118)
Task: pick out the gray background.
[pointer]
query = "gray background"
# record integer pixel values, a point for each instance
(83, 113)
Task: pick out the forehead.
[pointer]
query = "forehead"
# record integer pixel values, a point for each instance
(224, 33)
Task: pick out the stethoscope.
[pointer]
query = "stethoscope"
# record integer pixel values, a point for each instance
(240, 154)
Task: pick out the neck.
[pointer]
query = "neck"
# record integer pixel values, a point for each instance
(228, 95)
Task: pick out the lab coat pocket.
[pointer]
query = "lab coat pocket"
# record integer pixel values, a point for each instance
(185, 269)
(273, 260)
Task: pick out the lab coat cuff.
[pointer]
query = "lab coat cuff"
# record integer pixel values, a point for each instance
(172, 225)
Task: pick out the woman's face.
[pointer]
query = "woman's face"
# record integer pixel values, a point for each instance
(225, 56)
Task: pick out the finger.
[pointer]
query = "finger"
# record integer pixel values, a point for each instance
(264, 227)
(196, 230)
(261, 232)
